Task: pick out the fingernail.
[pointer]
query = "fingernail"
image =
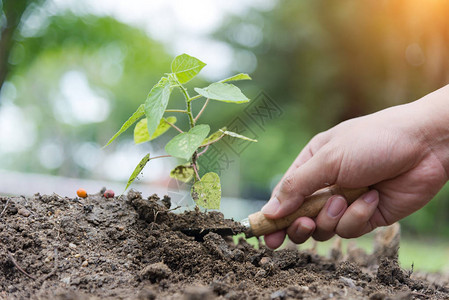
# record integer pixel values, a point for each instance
(271, 207)
(303, 230)
(371, 196)
(338, 204)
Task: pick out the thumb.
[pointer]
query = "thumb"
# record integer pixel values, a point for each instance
(319, 171)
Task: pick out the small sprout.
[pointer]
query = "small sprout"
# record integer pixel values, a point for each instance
(190, 143)
(109, 194)
(81, 193)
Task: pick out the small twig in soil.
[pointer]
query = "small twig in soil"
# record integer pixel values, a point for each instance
(18, 267)
(174, 126)
(4, 209)
(172, 209)
(420, 294)
(57, 195)
(155, 214)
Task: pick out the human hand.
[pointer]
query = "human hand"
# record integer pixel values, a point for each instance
(394, 151)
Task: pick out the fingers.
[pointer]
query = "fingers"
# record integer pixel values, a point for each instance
(303, 156)
(328, 218)
(323, 228)
(337, 217)
(306, 153)
(274, 240)
(356, 220)
(319, 171)
(301, 229)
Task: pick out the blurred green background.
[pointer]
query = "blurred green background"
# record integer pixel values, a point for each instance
(71, 72)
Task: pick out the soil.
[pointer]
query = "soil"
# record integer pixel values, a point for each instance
(131, 248)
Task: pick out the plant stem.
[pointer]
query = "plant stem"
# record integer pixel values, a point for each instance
(189, 106)
(196, 172)
(189, 111)
(177, 110)
(184, 91)
(204, 151)
(202, 109)
(195, 97)
(174, 126)
(212, 142)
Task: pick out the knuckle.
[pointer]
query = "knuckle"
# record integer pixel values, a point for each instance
(360, 214)
(322, 137)
(288, 185)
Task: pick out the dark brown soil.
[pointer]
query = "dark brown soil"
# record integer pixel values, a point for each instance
(129, 248)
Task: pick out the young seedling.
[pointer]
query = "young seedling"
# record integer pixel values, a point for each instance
(188, 144)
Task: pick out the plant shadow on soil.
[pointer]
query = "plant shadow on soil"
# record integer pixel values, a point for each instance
(131, 248)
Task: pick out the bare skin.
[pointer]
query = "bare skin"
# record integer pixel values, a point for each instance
(401, 153)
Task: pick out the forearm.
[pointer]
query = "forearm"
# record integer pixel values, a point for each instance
(433, 123)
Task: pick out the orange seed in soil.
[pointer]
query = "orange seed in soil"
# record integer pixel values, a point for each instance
(81, 193)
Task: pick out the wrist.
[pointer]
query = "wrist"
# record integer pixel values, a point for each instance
(433, 123)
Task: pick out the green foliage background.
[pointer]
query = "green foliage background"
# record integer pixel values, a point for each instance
(321, 61)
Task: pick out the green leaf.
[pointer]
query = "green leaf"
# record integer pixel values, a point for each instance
(184, 144)
(214, 136)
(156, 104)
(241, 76)
(185, 67)
(207, 191)
(139, 113)
(138, 169)
(239, 136)
(141, 130)
(223, 92)
(183, 173)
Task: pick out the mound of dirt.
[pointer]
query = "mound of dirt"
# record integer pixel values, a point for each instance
(131, 248)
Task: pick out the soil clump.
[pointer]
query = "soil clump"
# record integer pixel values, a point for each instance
(54, 247)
